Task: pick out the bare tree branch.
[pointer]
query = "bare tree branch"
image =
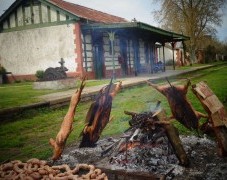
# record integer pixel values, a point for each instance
(193, 18)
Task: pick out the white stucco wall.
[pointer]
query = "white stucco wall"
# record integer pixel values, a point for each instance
(168, 54)
(25, 52)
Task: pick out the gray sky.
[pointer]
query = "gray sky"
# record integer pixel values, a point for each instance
(128, 9)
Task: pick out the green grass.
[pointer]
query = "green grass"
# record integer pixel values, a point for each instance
(18, 94)
(27, 135)
(12, 96)
(198, 65)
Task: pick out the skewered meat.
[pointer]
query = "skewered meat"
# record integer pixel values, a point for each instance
(66, 127)
(98, 115)
(181, 108)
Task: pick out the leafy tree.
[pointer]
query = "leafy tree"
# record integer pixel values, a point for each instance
(194, 18)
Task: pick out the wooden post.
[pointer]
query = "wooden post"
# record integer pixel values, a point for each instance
(164, 60)
(216, 112)
(173, 136)
(173, 44)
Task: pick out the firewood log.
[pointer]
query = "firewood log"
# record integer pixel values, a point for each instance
(157, 123)
(98, 115)
(217, 114)
(66, 127)
(173, 136)
(181, 108)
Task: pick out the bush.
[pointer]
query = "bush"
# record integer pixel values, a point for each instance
(2, 69)
(39, 74)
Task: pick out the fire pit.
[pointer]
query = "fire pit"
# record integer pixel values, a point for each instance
(144, 148)
(204, 161)
(147, 151)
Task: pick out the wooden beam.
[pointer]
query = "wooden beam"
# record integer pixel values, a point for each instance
(164, 60)
(49, 14)
(58, 15)
(16, 19)
(173, 44)
(40, 14)
(32, 12)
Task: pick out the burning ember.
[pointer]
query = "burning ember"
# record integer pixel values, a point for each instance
(152, 156)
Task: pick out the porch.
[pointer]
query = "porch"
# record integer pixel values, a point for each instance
(125, 49)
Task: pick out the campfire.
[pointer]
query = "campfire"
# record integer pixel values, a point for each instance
(147, 146)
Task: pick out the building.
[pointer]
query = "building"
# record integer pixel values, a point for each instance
(36, 34)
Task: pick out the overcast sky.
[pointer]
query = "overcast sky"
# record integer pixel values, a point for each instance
(128, 9)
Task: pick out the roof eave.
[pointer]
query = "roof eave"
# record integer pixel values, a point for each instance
(108, 25)
(173, 36)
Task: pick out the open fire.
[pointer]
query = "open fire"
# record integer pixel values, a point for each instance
(145, 146)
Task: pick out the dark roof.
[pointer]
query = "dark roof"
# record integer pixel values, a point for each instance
(87, 13)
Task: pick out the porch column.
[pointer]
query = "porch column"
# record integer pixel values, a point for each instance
(85, 52)
(78, 49)
(129, 56)
(136, 56)
(158, 54)
(152, 55)
(173, 44)
(163, 52)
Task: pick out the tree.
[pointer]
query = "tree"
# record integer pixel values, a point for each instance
(194, 18)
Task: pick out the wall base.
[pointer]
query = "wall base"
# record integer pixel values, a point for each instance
(57, 84)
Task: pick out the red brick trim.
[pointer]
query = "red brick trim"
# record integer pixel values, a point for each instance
(78, 49)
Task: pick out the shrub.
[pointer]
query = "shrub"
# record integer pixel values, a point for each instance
(2, 69)
(39, 74)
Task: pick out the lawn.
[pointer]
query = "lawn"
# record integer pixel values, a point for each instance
(18, 94)
(27, 135)
(22, 93)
